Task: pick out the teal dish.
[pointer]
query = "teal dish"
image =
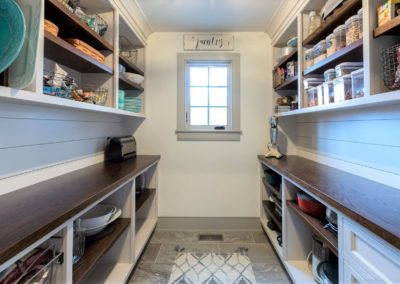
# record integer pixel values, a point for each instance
(12, 32)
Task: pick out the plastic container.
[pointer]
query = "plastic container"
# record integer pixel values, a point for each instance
(319, 51)
(312, 97)
(360, 18)
(342, 88)
(312, 82)
(309, 57)
(329, 75)
(340, 37)
(352, 29)
(320, 95)
(346, 68)
(330, 45)
(329, 93)
(357, 82)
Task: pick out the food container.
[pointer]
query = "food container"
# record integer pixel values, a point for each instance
(329, 75)
(352, 29)
(309, 205)
(329, 93)
(312, 94)
(340, 37)
(319, 51)
(330, 45)
(357, 83)
(320, 95)
(290, 69)
(360, 18)
(315, 22)
(342, 88)
(309, 57)
(312, 82)
(346, 68)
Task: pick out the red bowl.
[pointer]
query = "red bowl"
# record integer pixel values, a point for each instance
(309, 205)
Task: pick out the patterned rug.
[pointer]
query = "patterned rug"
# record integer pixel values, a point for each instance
(212, 268)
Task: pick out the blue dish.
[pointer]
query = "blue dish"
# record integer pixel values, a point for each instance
(12, 32)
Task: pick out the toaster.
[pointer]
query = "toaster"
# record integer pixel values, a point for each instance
(120, 148)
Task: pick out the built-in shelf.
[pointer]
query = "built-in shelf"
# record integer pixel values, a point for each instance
(269, 209)
(130, 66)
(390, 28)
(388, 98)
(275, 189)
(352, 52)
(95, 250)
(272, 235)
(144, 229)
(126, 84)
(300, 271)
(288, 85)
(339, 16)
(329, 238)
(291, 56)
(143, 197)
(60, 51)
(72, 27)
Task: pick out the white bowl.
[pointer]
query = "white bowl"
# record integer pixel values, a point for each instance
(136, 78)
(96, 230)
(97, 216)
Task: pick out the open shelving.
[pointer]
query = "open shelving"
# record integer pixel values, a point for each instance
(126, 84)
(269, 209)
(130, 66)
(290, 84)
(291, 56)
(143, 197)
(392, 27)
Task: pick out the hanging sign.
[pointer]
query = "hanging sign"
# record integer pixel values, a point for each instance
(207, 42)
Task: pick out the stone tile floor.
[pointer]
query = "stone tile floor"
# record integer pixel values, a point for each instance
(157, 260)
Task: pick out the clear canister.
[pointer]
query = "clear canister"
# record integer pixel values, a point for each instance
(346, 68)
(360, 19)
(309, 57)
(357, 82)
(329, 75)
(342, 88)
(330, 45)
(352, 29)
(329, 94)
(320, 95)
(312, 82)
(340, 37)
(319, 51)
(312, 96)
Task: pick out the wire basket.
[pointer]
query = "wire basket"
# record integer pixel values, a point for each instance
(94, 95)
(127, 49)
(92, 20)
(390, 58)
(58, 84)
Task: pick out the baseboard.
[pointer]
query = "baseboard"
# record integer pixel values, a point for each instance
(209, 224)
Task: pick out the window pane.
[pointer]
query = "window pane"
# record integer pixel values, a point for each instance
(218, 76)
(198, 116)
(218, 116)
(198, 96)
(198, 76)
(218, 97)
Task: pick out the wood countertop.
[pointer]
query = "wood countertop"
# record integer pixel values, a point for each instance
(373, 205)
(30, 213)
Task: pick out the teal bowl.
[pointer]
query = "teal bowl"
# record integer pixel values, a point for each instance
(12, 32)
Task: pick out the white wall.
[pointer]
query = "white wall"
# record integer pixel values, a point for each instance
(206, 179)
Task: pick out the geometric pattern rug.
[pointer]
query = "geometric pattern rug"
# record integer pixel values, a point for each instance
(212, 268)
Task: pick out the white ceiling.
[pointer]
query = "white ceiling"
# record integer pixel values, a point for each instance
(209, 15)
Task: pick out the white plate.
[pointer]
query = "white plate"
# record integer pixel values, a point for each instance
(93, 231)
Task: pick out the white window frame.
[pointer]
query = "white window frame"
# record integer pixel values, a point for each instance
(232, 131)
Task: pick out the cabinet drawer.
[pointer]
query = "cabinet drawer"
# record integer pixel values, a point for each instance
(352, 275)
(372, 254)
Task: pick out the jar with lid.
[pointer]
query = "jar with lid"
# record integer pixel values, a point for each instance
(329, 75)
(329, 94)
(309, 57)
(342, 88)
(312, 94)
(340, 37)
(312, 82)
(319, 51)
(352, 29)
(315, 22)
(360, 19)
(346, 68)
(357, 82)
(330, 45)
(320, 95)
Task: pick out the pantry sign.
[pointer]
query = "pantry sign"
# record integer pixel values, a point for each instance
(207, 42)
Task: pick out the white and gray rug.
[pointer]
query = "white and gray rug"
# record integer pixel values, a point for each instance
(212, 268)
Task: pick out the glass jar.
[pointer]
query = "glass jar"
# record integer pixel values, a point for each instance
(360, 19)
(330, 45)
(319, 51)
(342, 88)
(352, 29)
(309, 57)
(346, 68)
(340, 37)
(357, 83)
(312, 97)
(78, 241)
(329, 75)
(329, 94)
(315, 22)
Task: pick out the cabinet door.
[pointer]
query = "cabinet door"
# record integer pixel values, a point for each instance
(351, 276)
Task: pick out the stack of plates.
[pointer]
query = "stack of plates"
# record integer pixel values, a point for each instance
(96, 220)
(133, 104)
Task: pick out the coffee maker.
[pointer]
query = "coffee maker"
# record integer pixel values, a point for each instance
(273, 150)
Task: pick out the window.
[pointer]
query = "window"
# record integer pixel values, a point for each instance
(208, 97)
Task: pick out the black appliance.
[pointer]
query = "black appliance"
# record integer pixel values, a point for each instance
(120, 148)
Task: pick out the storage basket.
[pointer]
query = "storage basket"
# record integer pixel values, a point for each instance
(92, 20)
(127, 50)
(390, 58)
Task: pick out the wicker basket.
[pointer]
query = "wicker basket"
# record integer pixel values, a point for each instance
(391, 67)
